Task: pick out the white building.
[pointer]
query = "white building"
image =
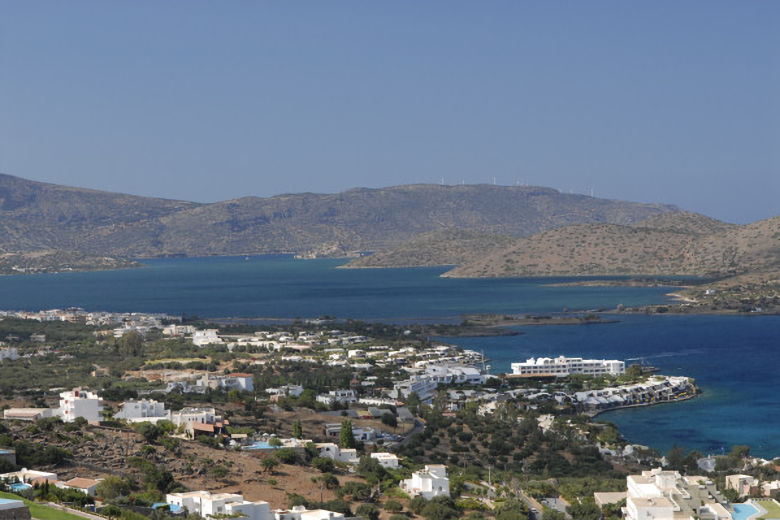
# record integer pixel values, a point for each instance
(28, 414)
(301, 513)
(666, 495)
(429, 483)
(338, 396)
(742, 484)
(454, 374)
(208, 504)
(423, 386)
(27, 475)
(386, 460)
(178, 330)
(201, 338)
(143, 410)
(243, 382)
(9, 353)
(240, 381)
(80, 403)
(293, 390)
(87, 486)
(332, 451)
(563, 366)
(190, 416)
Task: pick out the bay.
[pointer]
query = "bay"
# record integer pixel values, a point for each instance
(734, 359)
(283, 287)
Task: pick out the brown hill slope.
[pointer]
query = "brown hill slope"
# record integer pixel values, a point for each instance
(603, 249)
(685, 222)
(36, 216)
(445, 247)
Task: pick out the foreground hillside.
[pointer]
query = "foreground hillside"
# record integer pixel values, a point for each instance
(37, 216)
(608, 249)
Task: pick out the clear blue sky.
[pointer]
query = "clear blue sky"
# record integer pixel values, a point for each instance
(661, 101)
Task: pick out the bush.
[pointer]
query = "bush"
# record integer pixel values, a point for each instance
(440, 508)
(394, 506)
(417, 504)
(368, 511)
(286, 455)
(324, 464)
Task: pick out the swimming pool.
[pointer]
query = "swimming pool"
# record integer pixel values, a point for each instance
(260, 446)
(19, 486)
(744, 511)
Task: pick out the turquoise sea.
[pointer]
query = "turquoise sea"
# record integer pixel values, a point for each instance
(735, 359)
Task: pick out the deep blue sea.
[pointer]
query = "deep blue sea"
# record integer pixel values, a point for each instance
(283, 287)
(735, 359)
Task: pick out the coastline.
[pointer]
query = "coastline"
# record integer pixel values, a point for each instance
(596, 413)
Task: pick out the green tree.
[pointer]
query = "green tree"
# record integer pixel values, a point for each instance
(297, 429)
(130, 344)
(286, 455)
(368, 511)
(393, 506)
(389, 419)
(584, 510)
(149, 431)
(112, 487)
(346, 437)
(323, 464)
(269, 463)
(440, 508)
(511, 509)
(413, 403)
(417, 504)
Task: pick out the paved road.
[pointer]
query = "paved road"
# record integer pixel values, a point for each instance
(418, 427)
(532, 504)
(77, 512)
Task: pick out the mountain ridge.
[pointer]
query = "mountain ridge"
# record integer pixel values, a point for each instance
(41, 216)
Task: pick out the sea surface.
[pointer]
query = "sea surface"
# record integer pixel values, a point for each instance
(734, 359)
(283, 287)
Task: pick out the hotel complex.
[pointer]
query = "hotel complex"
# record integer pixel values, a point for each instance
(563, 366)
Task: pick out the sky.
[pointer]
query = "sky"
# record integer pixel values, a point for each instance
(662, 101)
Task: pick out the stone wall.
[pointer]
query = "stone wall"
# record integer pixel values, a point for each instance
(17, 513)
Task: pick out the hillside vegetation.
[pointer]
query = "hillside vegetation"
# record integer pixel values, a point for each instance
(38, 216)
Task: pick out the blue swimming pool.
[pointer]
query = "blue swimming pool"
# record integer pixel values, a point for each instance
(19, 486)
(744, 511)
(260, 446)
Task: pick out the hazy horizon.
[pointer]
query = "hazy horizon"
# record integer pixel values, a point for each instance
(663, 103)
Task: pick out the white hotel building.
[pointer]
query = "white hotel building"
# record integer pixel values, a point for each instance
(563, 366)
(80, 403)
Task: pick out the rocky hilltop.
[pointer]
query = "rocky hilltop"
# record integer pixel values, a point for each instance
(38, 216)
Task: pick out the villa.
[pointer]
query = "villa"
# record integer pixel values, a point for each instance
(666, 495)
(428, 483)
(386, 460)
(219, 505)
(144, 410)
